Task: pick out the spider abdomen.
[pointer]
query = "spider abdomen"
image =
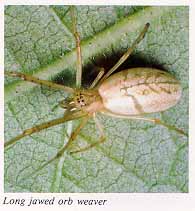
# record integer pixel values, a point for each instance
(138, 91)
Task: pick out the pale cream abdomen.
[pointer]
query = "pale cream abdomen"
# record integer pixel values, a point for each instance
(140, 90)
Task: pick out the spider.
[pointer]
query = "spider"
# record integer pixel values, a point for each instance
(129, 94)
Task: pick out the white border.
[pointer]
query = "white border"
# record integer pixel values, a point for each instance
(136, 201)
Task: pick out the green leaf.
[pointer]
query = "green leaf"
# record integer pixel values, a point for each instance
(137, 156)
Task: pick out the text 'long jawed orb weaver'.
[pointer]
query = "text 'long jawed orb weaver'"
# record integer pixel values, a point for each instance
(127, 94)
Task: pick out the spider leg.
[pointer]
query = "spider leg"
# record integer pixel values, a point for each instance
(43, 126)
(101, 139)
(98, 77)
(64, 148)
(128, 53)
(73, 136)
(170, 127)
(78, 48)
(159, 122)
(35, 80)
(152, 120)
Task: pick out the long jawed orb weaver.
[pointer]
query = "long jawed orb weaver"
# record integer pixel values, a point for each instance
(129, 94)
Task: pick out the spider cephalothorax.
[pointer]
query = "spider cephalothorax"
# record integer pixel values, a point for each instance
(86, 100)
